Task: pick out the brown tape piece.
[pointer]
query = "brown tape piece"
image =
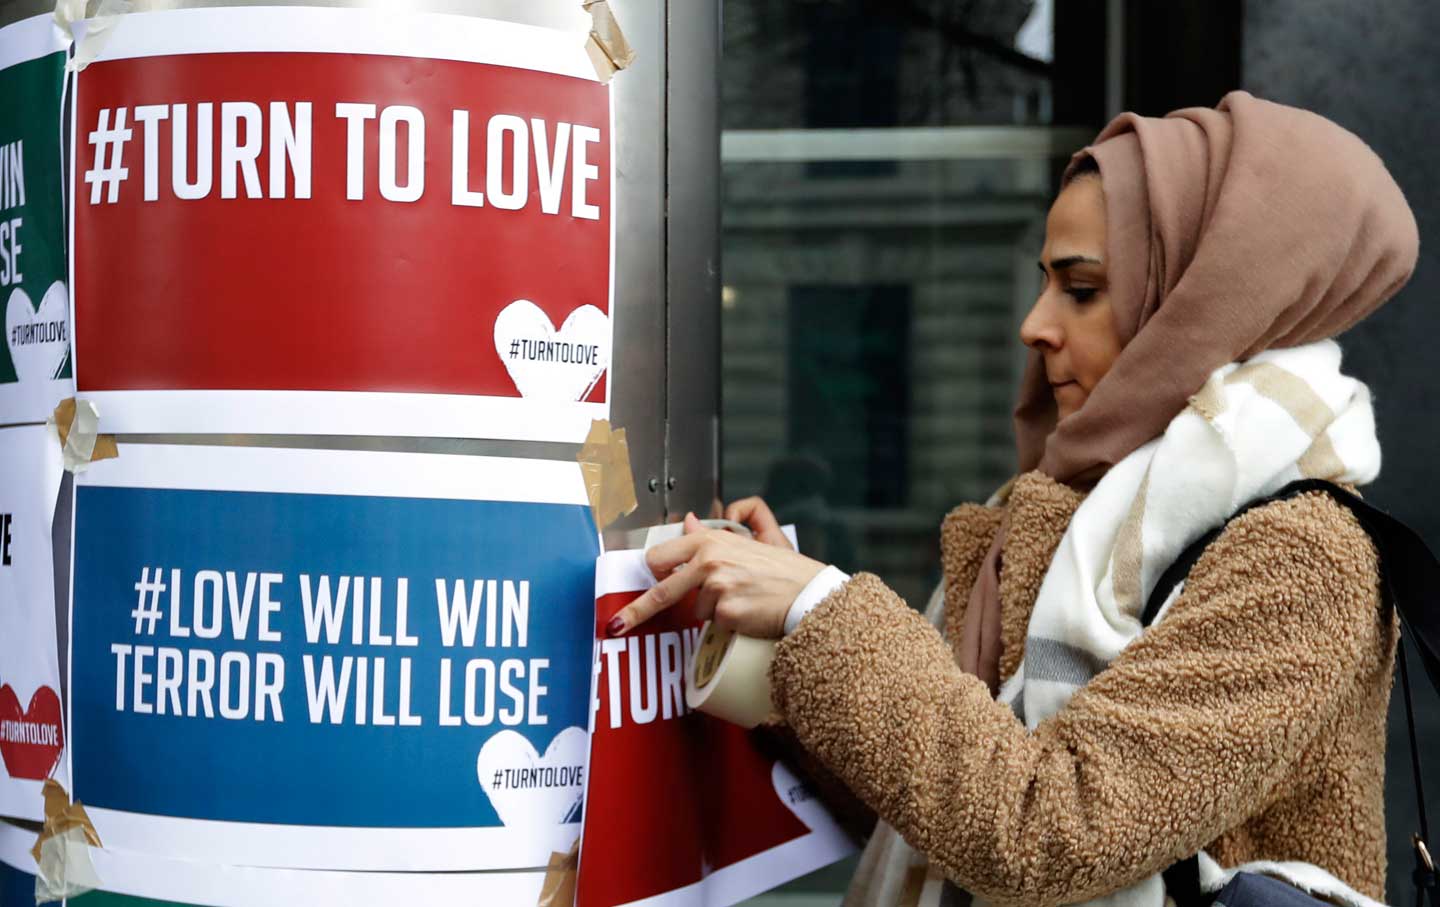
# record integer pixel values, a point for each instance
(60, 816)
(607, 47)
(605, 464)
(558, 889)
(105, 446)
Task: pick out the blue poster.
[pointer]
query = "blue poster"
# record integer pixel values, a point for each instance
(332, 659)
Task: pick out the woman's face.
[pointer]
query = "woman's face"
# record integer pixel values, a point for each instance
(1072, 324)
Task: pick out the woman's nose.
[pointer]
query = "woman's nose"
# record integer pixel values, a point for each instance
(1040, 327)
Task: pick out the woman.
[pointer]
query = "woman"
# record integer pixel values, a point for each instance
(1041, 749)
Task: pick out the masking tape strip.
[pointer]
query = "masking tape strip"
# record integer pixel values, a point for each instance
(62, 852)
(76, 423)
(605, 464)
(67, 13)
(97, 29)
(729, 677)
(607, 47)
(558, 889)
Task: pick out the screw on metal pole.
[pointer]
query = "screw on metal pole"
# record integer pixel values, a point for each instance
(654, 484)
(670, 483)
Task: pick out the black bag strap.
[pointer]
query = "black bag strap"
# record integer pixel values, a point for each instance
(1409, 574)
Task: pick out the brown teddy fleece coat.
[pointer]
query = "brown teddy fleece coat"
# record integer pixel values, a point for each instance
(1248, 722)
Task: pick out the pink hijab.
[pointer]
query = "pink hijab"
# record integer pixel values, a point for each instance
(1229, 231)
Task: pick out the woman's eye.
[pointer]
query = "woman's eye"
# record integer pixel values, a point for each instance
(1082, 294)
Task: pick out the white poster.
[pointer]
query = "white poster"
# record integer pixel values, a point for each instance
(343, 221)
(183, 883)
(32, 736)
(332, 659)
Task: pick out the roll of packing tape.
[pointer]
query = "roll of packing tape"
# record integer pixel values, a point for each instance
(729, 676)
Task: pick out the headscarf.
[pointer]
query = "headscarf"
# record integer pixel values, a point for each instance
(1228, 232)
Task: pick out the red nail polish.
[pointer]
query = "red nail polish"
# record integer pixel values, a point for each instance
(616, 626)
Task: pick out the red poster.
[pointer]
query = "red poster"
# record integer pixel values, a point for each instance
(412, 236)
(681, 808)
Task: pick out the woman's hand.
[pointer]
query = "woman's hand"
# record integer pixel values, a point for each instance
(746, 585)
(755, 513)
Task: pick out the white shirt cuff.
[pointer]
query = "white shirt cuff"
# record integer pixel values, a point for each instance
(825, 582)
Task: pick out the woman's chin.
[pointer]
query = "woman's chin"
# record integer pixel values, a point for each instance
(1068, 400)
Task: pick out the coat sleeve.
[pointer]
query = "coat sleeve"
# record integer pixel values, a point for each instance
(777, 739)
(1182, 737)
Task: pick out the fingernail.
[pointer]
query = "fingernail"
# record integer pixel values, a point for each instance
(616, 626)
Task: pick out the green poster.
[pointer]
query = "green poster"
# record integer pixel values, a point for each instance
(17, 889)
(35, 366)
(107, 899)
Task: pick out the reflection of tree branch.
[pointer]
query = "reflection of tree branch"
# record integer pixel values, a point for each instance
(908, 11)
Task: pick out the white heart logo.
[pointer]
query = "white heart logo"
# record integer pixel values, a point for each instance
(547, 364)
(39, 338)
(529, 789)
(799, 798)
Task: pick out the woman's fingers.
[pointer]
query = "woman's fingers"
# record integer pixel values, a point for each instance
(666, 556)
(753, 512)
(676, 566)
(654, 600)
(756, 514)
(706, 597)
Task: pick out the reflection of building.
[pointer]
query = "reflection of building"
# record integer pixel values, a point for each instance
(845, 63)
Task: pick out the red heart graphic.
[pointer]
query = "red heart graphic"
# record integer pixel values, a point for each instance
(30, 741)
